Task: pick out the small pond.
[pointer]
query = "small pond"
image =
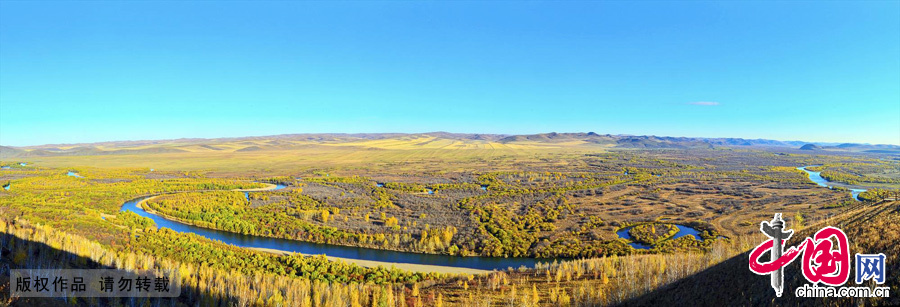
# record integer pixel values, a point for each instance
(682, 231)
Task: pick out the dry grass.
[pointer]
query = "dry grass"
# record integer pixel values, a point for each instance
(436, 155)
(717, 278)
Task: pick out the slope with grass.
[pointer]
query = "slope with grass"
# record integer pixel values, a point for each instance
(537, 196)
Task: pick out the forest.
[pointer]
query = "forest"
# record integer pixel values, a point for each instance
(563, 207)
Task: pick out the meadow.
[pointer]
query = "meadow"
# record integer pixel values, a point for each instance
(561, 199)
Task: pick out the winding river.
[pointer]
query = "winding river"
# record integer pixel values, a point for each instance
(361, 253)
(817, 178)
(348, 252)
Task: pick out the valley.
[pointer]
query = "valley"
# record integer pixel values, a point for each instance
(419, 213)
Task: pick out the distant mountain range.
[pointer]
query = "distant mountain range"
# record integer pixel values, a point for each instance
(286, 141)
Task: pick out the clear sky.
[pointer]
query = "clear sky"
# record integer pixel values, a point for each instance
(85, 71)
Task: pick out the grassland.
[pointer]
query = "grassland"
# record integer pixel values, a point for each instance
(540, 198)
(515, 197)
(293, 156)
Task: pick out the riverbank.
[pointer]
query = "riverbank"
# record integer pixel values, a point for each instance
(140, 204)
(817, 178)
(401, 260)
(268, 187)
(422, 268)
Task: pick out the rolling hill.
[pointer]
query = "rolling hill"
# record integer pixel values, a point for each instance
(431, 140)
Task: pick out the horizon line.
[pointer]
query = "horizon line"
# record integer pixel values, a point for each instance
(429, 132)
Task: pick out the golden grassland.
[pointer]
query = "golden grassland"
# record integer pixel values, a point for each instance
(724, 188)
(289, 157)
(537, 197)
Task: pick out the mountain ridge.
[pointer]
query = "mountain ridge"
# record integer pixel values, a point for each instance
(623, 141)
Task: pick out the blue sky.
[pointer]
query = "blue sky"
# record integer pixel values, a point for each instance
(85, 71)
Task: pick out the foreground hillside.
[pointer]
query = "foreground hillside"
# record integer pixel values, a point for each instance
(871, 229)
(716, 278)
